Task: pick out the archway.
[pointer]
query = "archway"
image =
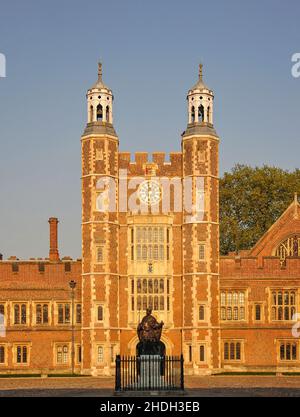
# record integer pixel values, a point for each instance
(135, 340)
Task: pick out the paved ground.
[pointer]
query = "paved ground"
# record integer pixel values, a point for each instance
(220, 386)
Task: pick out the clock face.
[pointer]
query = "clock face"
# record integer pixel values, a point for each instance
(149, 192)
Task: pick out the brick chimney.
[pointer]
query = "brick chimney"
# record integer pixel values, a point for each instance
(53, 250)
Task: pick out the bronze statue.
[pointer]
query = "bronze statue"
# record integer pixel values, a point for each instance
(149, 330)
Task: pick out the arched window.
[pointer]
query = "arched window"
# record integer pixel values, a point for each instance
(226, 351)
(201, 313)
(91, 113)
(273, 313)
(144, 255)
(282, 351)
(38, 314)
(139, 234)
(100, 355)
(223, 298)
(238, 351)
(229, 298)
(161, 303)
(208, 114)
(45, 313)
(202, 353)
(99, 113)
(193, 114)
(78, 313)
(139, 303)
(138, 252)
(161, 252)
(155, 252)
(107, 114)
(288, 351)
(100, 313)
(65, 354)
(17, 314)
(232, 351)
(289, 247)
(294, 351)
(23, 314)
(2, 354)
(201, 114)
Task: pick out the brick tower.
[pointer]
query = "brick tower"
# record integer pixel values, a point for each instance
(200, 233)
(99, 232)
(138, 250)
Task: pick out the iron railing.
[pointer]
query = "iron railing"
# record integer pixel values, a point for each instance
(149, 372)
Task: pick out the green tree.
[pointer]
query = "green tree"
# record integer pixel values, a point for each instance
(251, 200)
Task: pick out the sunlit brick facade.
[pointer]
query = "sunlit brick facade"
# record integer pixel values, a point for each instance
(223, 313)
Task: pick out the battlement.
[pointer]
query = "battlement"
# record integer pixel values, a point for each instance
(39, 272)
(254, 267)
(159, 164)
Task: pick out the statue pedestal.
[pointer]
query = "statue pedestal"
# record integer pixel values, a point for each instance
(150, 371)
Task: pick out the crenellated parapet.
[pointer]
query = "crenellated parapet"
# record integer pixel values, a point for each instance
(254, 267)
(155, 164)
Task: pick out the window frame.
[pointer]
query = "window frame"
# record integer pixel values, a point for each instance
(99, 345)
(277, 306)
(5, 304)
(12, 313)
(98, 247)
(69, 353)
(261, 305)
(201, 245)
(34, 315)
(204, 344)
(96, 313)
(57, 303)
(5, 346)
(242, 354)
(285, 342)
(15, 353)
(204, 305)
(232, 304)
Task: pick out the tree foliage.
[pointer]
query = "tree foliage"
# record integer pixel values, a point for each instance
(251, 200)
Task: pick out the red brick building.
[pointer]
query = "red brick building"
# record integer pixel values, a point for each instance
(150, 238)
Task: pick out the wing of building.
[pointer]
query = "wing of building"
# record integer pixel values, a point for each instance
(150, 238)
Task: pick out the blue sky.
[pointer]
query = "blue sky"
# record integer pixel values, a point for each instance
(150, 53)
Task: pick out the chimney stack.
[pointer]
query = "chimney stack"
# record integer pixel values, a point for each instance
(53, 250)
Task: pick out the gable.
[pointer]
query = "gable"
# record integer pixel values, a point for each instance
(287, 225)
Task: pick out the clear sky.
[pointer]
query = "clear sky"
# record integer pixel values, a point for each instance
(150, 52)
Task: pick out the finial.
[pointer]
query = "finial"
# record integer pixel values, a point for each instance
(200, 71)
(99, 71)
